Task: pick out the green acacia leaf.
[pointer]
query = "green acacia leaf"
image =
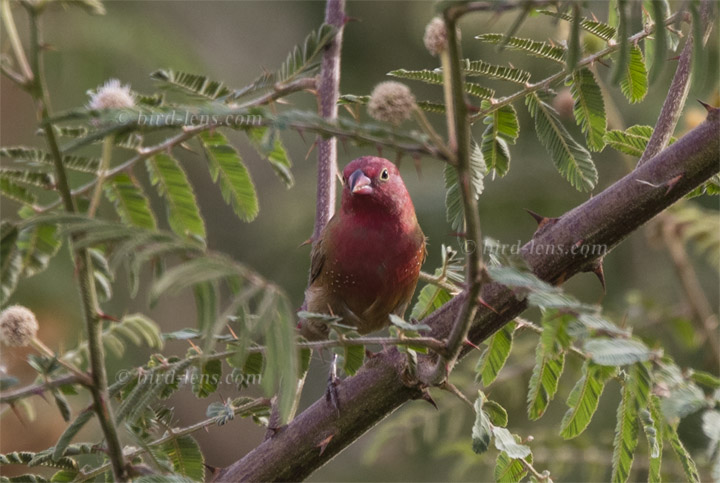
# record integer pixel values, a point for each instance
(549, 364)
(589, 108)
(617, 352)
(32, 178)
(453, 196)
(38, 244)
(281, 365)
(635, 398)
(186, 457)
(654, 433)
(599, 29)
(435, 77)
(131, 203)
(571, 159)
(505, 441)
(205, 380)
(228, 169)
(16, 192)
(494, 357)
(269, 144)
(634, 84)
(353, 359)
(632, 141)
(510, 470)
(583, 399)
(431, 298)
(472, 68)
(66, 437)
(502, 129)
(533, 47)
(10, 259)
(306, 57)
(36, 157)
(482, 429)
(682, 454)
(168, 177)
(194, 84)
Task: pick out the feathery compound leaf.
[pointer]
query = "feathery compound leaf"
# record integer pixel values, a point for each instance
(33, 178)
(502, 129)
(207, 378)
(510, 470)
(430, 298)
(533, 47)
(37, 157)
(281, 371)
(269, 144)
(172, 183)
(81, 420)
(589, 108)
(691, 472)
(617, 352)
(302, 59)
(599, 29)
(428, 106)
(549, 363)
(635, 397)
(194, 84)
(16, 192)
(473, 68)
(571, 159)
(435, 77)
(512, 277)
(186, 457)
(453, 195)
(633, 141)
(654, 433)
(37, 244)
(583, 399)
(505, 441)
(634, 84)
(482, 430)
(227, 168)
(130, 201)
(493, 358)
(10, 259)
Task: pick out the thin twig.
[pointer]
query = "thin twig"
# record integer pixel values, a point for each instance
(9, 397)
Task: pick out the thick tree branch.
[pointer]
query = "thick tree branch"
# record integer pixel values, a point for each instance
(319, 433)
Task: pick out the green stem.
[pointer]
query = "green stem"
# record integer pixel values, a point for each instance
(102, 174)
(83, 264)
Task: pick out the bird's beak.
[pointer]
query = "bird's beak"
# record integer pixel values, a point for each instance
(359, 183)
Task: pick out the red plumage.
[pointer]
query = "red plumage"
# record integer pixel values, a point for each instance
(366, 264)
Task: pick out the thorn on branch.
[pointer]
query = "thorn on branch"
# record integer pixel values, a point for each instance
(672, 182)
(542, 221)
(597, 269)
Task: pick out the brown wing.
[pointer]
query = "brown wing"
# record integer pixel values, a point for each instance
(317, 259)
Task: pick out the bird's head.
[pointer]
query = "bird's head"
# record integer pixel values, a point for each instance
(372, 184)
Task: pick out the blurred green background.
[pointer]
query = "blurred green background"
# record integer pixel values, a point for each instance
(233, 42)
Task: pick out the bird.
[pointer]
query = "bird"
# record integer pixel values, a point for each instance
(366, 263)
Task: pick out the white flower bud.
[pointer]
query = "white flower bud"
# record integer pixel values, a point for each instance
(391, 102)
(435, 36)
(112, 95)
(18, 326)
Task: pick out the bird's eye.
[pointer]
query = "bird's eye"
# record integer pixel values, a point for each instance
(384, 175)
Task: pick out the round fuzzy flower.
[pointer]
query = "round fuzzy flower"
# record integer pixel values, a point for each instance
(391, 102)
(112, 95)
(435, 36)
(564, 103)
(18, 326)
